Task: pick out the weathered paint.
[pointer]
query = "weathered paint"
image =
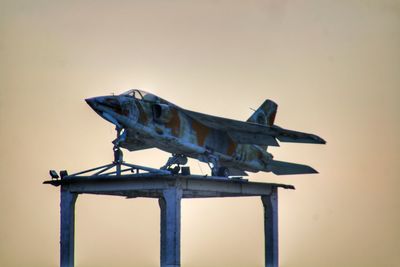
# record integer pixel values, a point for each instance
(143, 117)
(231, 147)
(201, 132)
(271, 119)
(174, 123)
(201, 136)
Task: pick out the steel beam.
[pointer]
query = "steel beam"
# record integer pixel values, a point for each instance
(67, 227)
(153, 186)
(170, 247)
(270, 204)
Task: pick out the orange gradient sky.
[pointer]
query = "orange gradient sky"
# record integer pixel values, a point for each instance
(332, 66)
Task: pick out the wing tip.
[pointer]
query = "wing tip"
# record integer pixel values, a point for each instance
(316, 139)
(320, 140)
(312, 140)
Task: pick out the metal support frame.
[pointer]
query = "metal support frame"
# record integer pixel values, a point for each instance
(117, 168)
(121, 168)
(169, 190)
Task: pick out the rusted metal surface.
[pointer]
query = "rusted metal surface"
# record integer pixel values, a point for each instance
(150, 121)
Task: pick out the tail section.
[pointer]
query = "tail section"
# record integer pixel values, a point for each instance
(265, 114)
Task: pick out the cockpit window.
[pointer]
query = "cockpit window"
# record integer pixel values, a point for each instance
(134, 93)
(141, 95)
(150, 98)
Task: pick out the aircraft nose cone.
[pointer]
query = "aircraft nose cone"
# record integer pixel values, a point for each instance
(104, 103)
(92, 102)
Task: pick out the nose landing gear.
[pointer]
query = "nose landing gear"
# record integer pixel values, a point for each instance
(177, 160)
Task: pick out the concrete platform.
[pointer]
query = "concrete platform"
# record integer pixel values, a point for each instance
(169, 190)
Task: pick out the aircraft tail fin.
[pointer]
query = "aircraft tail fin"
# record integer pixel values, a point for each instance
(288, 168)
(265, 114)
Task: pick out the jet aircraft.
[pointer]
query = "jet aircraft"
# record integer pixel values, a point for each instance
(230, 147)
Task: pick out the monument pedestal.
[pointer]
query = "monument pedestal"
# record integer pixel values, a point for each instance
(169, 190)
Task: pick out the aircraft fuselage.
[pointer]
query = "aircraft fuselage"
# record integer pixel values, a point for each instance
(162, 125)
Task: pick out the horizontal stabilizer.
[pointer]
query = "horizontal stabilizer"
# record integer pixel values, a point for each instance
(288, 168)
(285, 135)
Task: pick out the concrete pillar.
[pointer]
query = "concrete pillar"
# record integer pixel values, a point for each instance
(67, 227)
(270, 204)
(170, 205)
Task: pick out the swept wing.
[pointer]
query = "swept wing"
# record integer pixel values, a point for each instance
(253, 133)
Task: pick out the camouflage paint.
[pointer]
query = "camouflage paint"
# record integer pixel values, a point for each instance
(161, 124)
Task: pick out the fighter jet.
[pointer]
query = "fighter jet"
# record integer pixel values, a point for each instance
(230, 147)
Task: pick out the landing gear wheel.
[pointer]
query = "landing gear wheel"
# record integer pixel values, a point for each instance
(174, 170)
(220, 172)
(223, 172)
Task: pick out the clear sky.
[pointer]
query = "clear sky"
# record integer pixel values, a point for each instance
(332, 66)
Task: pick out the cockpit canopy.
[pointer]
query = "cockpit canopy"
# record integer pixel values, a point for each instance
(141, 95)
